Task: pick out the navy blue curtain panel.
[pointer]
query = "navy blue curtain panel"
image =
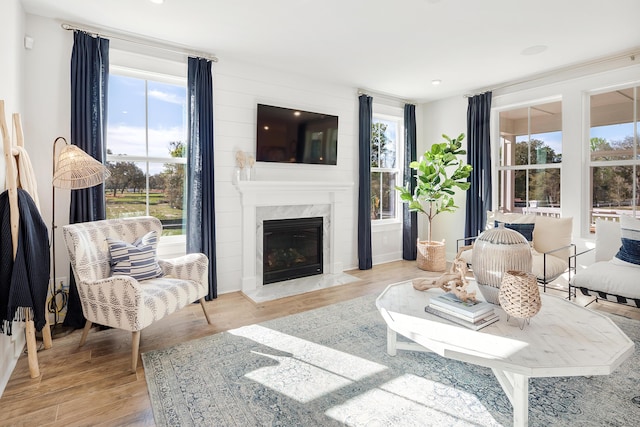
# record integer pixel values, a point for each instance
(479, 156)
(365, 258)
(409, 219)
(89, 83)
(201, 221)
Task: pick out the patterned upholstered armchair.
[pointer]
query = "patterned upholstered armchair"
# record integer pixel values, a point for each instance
(112, 298)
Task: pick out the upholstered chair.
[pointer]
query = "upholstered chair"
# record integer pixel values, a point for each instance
(120, 281)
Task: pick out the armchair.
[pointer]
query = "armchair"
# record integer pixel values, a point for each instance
(550, 239)
(118, 300)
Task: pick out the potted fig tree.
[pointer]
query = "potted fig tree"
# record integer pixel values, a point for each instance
(438, 173)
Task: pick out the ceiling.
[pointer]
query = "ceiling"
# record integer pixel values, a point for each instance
(393, 47)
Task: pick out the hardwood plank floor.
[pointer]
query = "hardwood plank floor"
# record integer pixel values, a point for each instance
(93, 386)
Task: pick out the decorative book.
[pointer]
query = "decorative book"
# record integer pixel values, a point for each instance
(462, 316)
(471, 309)
(479, 324)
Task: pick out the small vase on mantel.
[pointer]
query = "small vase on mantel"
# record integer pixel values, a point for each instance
(246, 174)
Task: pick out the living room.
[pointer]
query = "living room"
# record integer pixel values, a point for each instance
(36, 84)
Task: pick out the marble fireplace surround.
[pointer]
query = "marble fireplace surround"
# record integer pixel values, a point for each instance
(267, 200)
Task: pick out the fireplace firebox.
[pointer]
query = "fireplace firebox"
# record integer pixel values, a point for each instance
(292, 248)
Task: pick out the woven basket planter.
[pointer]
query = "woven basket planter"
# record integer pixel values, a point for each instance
(494, 252)
(519, 294)
(431, 256)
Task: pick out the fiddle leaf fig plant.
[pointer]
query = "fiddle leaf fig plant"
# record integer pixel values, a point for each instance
(438, 173)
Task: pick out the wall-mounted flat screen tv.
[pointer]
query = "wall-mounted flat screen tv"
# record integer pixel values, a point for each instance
(286, 135)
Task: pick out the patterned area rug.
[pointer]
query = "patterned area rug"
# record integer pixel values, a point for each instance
(329, 367)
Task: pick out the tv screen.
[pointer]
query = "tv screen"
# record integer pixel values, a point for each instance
(295, 136)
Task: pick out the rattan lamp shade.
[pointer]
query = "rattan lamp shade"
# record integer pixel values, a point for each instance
(76, 169)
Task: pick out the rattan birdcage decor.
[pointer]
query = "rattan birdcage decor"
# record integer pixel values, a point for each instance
(75, 169)
(494, 252)
(519, 295)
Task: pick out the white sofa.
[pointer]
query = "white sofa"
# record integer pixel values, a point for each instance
(550, 237)
(610, 278)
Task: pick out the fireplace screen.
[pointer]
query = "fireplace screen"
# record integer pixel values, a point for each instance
(292, 248)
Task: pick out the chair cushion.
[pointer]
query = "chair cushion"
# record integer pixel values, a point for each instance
(610, 278)
(526, 229)
(555, 266)
(137, 259)
(552, 233)
(630, 233)
(607, 239)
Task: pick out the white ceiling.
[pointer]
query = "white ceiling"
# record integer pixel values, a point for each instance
(394, 47)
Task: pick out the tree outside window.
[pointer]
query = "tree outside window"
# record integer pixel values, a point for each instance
(614, 154)
(385, 175)
(530, 158)
(146, 150)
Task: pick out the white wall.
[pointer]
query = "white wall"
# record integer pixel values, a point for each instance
(12, 25)
(238, 89)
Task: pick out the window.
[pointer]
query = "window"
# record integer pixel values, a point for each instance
(614, 154)
(530, 158)
(386, 132)
(146, 148)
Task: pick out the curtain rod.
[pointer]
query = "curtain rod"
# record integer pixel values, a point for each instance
(141, 41)
(632, 55)
(383, 95)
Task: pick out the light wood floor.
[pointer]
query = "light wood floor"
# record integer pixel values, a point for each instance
(93, 385)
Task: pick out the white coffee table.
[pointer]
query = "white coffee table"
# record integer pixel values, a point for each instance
(563, 339)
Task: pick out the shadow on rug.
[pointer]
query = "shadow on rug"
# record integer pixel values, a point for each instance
(330, 367)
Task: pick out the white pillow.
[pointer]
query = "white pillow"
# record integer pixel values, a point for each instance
(607, 239)
(552, 233)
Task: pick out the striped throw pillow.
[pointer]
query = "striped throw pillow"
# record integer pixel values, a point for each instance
(630, 232)
(137, 259)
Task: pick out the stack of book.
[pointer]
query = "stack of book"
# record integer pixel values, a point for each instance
(472, 314)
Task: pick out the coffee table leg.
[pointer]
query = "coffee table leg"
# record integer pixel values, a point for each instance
(392, 338)
(516, 387)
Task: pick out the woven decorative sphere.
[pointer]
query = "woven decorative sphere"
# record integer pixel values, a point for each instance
(519, 294)
(494, 252)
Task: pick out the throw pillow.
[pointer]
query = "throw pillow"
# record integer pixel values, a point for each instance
(137, 259)
(552, 233)
(630, 233)
(525, 229)
(508, 217)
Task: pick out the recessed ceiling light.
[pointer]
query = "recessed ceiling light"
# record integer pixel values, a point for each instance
(297, 113)
(436, 82)
(534, 50)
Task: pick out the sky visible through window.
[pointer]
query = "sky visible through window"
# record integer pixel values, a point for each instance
(126, 133)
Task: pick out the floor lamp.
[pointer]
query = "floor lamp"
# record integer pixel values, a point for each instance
(73, 169)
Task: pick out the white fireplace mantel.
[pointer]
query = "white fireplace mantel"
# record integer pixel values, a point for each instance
(279, 194)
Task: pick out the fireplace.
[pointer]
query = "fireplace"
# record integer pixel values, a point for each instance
(292, 248)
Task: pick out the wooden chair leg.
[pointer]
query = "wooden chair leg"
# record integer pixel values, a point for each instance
(32, 349)
(205, 311)
(46, 334)
(135, 346)
(85, 331)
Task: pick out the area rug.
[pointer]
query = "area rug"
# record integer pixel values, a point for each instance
(329, 367)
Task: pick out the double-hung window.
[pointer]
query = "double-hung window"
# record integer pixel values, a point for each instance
(614, 150)
(386, 160)
(146, 147)
(530, 158)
